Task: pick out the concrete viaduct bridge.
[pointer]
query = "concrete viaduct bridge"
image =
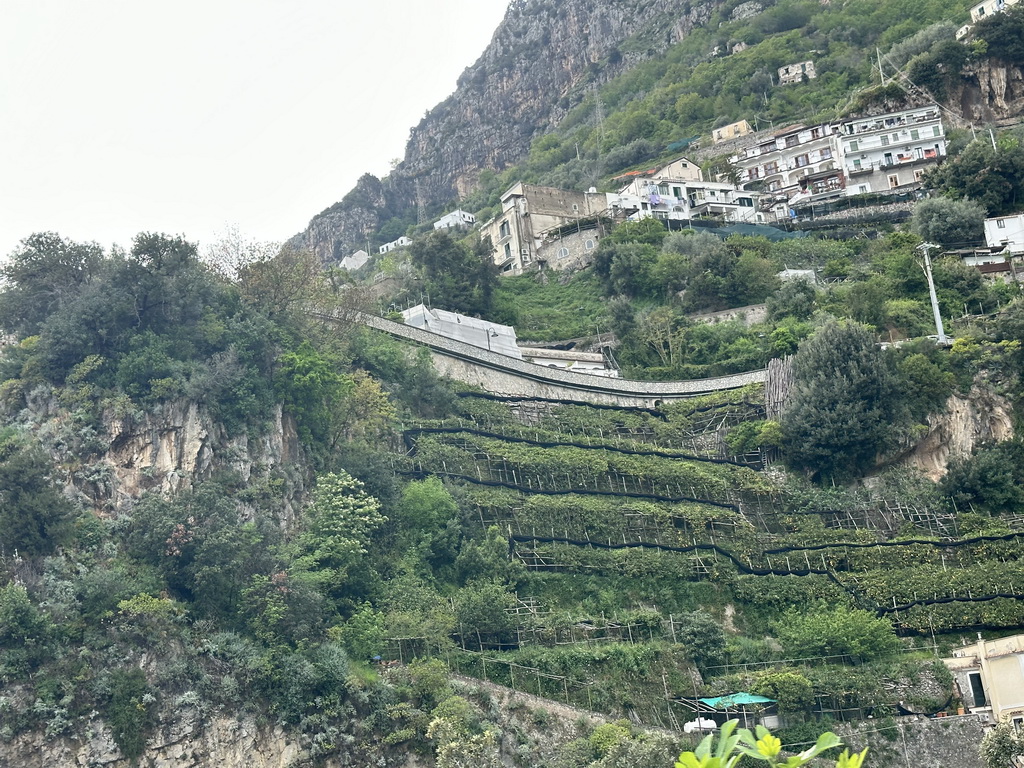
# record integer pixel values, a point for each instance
(506, 376)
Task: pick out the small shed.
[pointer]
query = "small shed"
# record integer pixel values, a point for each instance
(749, 708)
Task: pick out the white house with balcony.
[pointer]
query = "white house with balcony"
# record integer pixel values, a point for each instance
(457, 219)
(401, 242)
(1007, 231)
(891, 151)
(982, 11)
(990, 8)
(798, 160)
(667, 198)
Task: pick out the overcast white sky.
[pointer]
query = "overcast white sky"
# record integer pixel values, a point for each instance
(187, 117)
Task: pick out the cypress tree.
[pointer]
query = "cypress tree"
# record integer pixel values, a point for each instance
(843, 405)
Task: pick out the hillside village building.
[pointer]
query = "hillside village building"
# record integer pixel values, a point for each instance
(528, 213)
(559, 227)
(790, 162)
(668, 198)
(678, 191)
(457, 219)
(355, 261)
(990, 8)
(1006, 231)
(990, 677)
(892, 150)
(401, 242)
(795, 73)
(982, 11)
(882, 153)
(730, 131)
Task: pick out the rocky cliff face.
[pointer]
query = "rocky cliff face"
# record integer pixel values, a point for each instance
(168, 449)
(182, 743)
(541, 62)
(980, 416)
(532, 730)
(993, 92)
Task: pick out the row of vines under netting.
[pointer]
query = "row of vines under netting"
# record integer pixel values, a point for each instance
(599, 490)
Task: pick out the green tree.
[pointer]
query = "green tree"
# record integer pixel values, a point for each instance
(1001, 746)
(990, 479)
(457, 277)
(427, 523)
(792, 691)
(951, 223)
(925, 385)
(481, 610)
(337, 530)
(836, 632)
(794, 298)
(33, 511)
(644, 231)
(25, 632)
(457, 748)
(843, 405)
(1003, 34)
(130, 710)
(626, 268)
(42, 276)
(311, 389)
(992, 176)
(197, 542)
(703, 637)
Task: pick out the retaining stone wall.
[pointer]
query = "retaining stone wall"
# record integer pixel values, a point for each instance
(504, 375)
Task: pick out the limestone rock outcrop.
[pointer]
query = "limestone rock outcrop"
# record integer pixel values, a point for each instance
(545, 58)
(169, 449)
(980, 416)
(992, 92)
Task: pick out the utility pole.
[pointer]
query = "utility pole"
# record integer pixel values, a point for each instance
(925, 248)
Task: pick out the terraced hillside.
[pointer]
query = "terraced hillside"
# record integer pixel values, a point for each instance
(652, 567)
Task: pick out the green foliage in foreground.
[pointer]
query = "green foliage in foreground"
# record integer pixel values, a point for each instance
(733, 745)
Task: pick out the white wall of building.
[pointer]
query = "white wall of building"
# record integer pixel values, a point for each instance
(493, 337)
(990, 8)
(355, 261)
(892, 150)
(1006, 230)
(395, 244)
(455, 219)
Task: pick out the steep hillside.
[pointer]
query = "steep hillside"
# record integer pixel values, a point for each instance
(620, 82)
(543, 59)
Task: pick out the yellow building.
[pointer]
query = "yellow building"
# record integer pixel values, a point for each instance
(730, 131)
(990, 677)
